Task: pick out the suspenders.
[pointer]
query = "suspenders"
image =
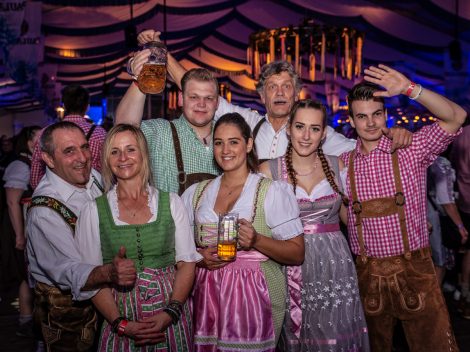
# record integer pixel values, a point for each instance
(378, 207)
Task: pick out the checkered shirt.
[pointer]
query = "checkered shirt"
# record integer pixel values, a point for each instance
(374, 179)
(38, 166)
(196, 156)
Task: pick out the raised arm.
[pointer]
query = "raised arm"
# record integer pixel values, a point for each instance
(131, 107)
(175, 70)
(451, 116)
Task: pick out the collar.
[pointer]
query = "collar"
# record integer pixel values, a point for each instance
(74, 117)
(269, 122)
(384, 145)
(186, 126)
(65, 189)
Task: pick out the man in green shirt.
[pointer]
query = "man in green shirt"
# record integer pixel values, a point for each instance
(193, 128)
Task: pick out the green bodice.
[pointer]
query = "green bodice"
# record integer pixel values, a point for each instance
(149, 245)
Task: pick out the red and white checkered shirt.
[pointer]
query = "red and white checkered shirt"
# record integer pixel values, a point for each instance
(374, 179)
(38, 166)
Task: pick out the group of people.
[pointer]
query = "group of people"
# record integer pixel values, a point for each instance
(124, 243)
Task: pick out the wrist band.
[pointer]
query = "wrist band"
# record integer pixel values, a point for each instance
(460, 226)
(417, 95)
(129, 69)
(115, 323)
(122, 327)
(173, 309)
(409, 90)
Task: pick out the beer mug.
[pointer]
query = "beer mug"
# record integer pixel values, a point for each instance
(153, 75)
(227, 236)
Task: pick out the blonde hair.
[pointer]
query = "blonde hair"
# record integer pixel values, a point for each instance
(108, 177)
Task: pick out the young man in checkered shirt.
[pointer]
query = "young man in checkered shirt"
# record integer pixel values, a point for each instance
(387, 214)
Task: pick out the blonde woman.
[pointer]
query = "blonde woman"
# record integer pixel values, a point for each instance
(153, 228)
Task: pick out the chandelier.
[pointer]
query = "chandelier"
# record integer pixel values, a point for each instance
(312, 45)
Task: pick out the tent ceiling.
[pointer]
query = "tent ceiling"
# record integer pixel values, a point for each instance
(412, 35)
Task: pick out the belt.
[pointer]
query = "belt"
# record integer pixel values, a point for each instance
(312, 229)
(420, 253)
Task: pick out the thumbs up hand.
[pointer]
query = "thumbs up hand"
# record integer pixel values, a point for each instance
(123, 272)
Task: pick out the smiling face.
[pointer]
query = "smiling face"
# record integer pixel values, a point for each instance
(279, 95)
(306, 130)
(125, 157)
(368, 118)
(230, 147)
(71, 159)
(200, 100)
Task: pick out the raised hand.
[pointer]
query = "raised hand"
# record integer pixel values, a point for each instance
(148, 35)
(391, 80)
(123, 271)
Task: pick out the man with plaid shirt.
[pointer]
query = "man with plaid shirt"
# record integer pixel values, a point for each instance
(387, 214)
(76, 100)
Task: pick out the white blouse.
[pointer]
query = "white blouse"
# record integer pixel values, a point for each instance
(280, 206)
(322, 189)
(17, 175)
(87, 235)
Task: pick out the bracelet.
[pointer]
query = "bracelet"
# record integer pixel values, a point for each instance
(129, 69)
(419, 93)
(174, 315)
(460, 226)
(408, 91)
(115, 324)
(122, 327)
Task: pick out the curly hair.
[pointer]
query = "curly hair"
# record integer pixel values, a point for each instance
(276, 68)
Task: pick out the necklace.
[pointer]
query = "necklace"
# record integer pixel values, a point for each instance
(315, 164)
(132, 213)
(204, 140)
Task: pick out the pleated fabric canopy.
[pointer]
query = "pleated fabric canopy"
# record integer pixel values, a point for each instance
(84, 41)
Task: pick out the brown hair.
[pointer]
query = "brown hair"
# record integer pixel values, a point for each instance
(292, 174)
(76, 99)
(363, 91)
(46, 143)
(237, 120)
(108, 177)
(198, 74)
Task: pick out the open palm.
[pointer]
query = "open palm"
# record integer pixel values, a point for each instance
(391, 80)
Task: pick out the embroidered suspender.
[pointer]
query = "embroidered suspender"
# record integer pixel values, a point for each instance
(378, 207)
(65, 213)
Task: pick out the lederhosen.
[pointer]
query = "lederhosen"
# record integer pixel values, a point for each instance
(402, 287)
(66, 325)
(185, 180)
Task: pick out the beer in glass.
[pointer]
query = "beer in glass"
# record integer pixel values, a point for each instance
(152, 78)
(227, 236)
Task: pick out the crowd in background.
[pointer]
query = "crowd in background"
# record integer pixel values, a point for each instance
(123, 224)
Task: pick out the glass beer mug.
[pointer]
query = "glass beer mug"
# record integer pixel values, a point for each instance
(153, 75)
(227, 236)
